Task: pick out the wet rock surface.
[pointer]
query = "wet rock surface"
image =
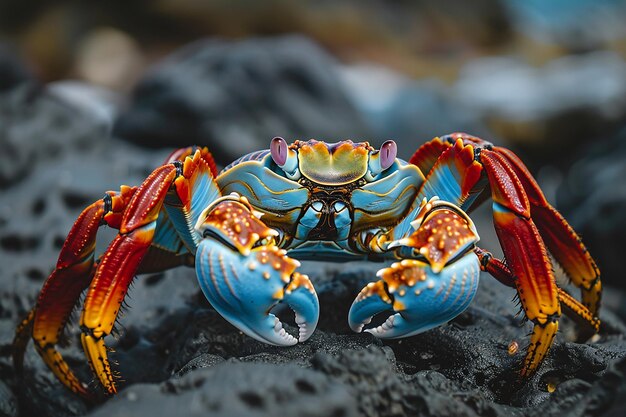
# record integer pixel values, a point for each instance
(176, 355)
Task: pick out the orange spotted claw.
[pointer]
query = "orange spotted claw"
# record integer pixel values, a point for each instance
(435, 286)
(244, 274)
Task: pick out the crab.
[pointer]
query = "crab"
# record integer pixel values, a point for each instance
(244, 228)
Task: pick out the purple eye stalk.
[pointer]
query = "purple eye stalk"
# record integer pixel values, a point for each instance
(382, 159)
(278, 148)
(388, 153)
(285, 158)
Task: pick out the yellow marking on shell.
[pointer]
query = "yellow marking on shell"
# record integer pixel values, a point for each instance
(266, 275)
(513, 348)
(279, 294)
(347, 162)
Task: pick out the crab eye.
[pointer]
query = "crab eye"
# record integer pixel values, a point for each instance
(285, 157)
(388, 152)
(278, 148)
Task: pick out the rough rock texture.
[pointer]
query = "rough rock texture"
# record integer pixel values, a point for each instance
(176, 355)
(239, 389)
(240, 93)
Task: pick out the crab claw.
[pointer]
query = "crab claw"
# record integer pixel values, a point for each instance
(244, 278)
(431, 289)
(418, 298)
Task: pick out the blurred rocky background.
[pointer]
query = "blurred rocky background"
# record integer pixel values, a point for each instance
(96, 94)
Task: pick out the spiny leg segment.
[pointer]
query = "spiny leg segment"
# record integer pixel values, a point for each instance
(135, 212)
(560, 238)
(71, 276)
(574, 309)
(177, 182)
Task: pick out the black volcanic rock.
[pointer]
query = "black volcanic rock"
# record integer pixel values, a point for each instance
(237, 389)
(593, 197)
(13, 71)
(235, 96)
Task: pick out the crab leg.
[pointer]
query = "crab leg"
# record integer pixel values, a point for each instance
(458, 175)
(76, 268)
(525, 254)
(561, 240)
(572, 307)
(117, 268)
(521, 241)
(63, 287)
(180, 188)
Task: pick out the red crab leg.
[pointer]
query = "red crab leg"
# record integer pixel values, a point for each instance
(123, 257)
(525, 254)
(517, 201)
(63, 287)
(572, 307)
(117, 268)
(561, 240)
(182, 154)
